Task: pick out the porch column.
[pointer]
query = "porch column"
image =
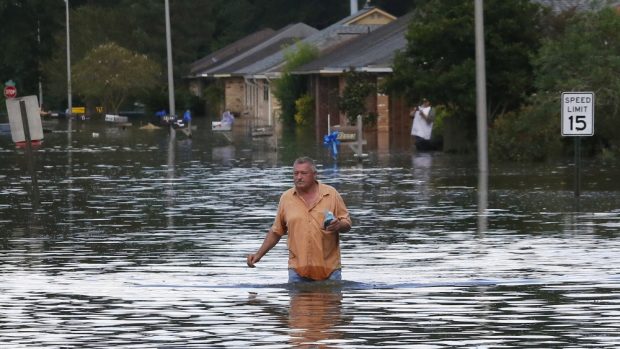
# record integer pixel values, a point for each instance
(383, 122)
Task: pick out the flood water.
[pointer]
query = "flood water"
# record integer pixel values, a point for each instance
(133, 239)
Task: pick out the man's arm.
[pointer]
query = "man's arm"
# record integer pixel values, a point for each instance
(270, 241)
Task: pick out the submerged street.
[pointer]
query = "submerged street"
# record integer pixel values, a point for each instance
(136, 239)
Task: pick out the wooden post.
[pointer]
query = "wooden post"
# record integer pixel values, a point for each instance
(329, 124)
(360, 135)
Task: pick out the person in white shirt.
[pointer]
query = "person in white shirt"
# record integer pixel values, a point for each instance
(422, 128)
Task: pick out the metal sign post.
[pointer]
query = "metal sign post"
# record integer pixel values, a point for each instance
(577, 121)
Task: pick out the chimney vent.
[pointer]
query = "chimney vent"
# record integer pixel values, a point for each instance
(353, 7)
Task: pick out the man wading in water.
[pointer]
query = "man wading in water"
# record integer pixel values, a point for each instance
(313, 215)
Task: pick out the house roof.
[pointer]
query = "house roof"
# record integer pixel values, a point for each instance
(230, 51)
(336, 34)
(369, 15)
(260, 50)
(373, 52)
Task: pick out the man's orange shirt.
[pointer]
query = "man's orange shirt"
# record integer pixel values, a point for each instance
(313, 253)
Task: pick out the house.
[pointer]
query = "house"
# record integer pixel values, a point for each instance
(247, 77)
(198, 78)
(371, 53)
(237, 98)
(358, 24)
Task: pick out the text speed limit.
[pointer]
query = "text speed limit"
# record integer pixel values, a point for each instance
(577, 113)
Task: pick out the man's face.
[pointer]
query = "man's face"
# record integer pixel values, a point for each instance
(303, 176)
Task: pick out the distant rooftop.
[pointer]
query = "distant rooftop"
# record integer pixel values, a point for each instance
(374, 51)
(284, 37)
(230, 51)
(363, 22)
(266, 56)
(577, 5)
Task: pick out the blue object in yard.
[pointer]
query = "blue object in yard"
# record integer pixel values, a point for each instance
(161, 113)
(331, 141)
(187, 116)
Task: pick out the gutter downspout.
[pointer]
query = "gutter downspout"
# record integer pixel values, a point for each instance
(256, 99)
(353, 6)
(269, 109)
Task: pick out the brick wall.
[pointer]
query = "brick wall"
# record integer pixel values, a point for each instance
(234, 95)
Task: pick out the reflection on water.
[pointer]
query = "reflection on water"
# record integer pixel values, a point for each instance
(312, 316)
(483, 201)
(140, 241)
(315, 313)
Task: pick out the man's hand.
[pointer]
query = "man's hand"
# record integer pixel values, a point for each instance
(252, 259)
(270, 241)
(337, 226)
(334, 226)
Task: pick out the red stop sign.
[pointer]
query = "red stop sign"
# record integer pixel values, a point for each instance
(10, 91)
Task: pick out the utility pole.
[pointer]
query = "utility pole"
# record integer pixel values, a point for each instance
(481, 89)
(69, 101)
(481, 117)
(171, 102)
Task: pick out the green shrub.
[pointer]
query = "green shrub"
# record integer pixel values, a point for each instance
(441, 115)
(531, 133)
(357, 88)
(610, 155)
(288, 88)
(304, 107)
(214, 98)
(584, 57)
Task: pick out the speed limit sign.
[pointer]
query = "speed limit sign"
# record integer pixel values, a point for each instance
(577, 113)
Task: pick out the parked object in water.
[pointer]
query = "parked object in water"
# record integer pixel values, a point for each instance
(166, 119)
(228, 119)
(262, 131)
(220, 126)
(116, 118)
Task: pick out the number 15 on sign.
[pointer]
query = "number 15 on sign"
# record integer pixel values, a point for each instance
(577, 113)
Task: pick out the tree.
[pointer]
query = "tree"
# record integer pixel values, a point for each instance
(26, 32)
(586, 58)
(96, 24)
(581, 55)
(439, 60)
(110, 74)
(289, 87)
(90, 27)
(358, 86)
(198, 28)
